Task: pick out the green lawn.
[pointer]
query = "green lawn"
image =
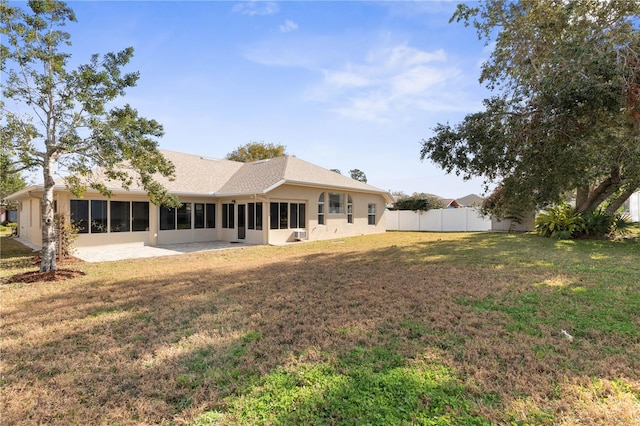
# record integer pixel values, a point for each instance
(399, 328)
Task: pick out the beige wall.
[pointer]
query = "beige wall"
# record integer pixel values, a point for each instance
(335, 225)
(29, 220)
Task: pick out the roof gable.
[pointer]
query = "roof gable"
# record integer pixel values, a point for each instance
(262, 176)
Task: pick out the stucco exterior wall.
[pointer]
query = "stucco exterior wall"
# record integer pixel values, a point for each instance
(29, 220)
(335, 226)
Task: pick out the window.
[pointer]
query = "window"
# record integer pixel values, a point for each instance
(287, 215)
(171, 219)
(254, 219)
(284, 223)
(184, 216)
(321, 209)
(274, 215)
(297, 215)
(251, 216)
(336, 203)
(349, 209)
(80, 215)
(198, 215)
(258, 216)
(228, 213)
(98, 216)
(371, 216)
(167, 218)
(123, 216)
(140, 219)
(211, 215)
(120, 217)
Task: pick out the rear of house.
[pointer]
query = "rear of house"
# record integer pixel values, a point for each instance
(274, 201)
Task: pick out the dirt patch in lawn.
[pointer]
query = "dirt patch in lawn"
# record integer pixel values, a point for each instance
(37, 276)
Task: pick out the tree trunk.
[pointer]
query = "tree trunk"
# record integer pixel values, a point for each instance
(582, 198)
(48, 255)
(602, 192)
(617, 202)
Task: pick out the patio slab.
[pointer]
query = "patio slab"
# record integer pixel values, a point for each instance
(111, 253)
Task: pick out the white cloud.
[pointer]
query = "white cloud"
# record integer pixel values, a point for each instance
(390, 82)
(387, 82)
(347, 78)
(288, 26)
(256, 7)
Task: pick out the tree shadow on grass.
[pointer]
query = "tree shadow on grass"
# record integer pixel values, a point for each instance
(193, 337)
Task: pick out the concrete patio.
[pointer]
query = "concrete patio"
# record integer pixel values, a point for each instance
(136, 251)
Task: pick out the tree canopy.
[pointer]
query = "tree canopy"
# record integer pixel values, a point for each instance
(254, 151)
(565, 117)
(358, 175)
(418, 202)
(56, 118)
(10, 181)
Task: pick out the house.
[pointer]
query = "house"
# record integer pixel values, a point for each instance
(450, 203)
(471, 200)
(273, 201)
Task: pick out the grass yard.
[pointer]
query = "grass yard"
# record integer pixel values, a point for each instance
(399, 328)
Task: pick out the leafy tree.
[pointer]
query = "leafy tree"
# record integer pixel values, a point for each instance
(566, 114)
(254, 151)
(60, 117)
(418, 202)
(10, 181)
(358, 175)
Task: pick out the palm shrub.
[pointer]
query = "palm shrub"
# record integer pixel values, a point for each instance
(562, 222)
(620, 225)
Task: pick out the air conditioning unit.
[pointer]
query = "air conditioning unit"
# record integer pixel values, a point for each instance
(300, 234)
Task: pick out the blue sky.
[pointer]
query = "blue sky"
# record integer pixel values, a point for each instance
(343, 85)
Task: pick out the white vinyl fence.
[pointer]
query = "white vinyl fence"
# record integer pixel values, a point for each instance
(438, 220)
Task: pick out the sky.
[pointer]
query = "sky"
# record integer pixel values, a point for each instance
(341, 84)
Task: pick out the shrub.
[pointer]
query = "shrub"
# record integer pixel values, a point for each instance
(418, 202)
(564, 222)
(13, 226)
(67, 234)
(561, 222)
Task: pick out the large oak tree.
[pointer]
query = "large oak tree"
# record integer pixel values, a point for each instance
(59, 119)
(565, 117)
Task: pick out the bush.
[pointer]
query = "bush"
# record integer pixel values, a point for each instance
(561, 222)
(13, 226)
(564, 222)
(418, 202)
(67, 235)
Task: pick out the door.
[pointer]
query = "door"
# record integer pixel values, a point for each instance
(242, 222)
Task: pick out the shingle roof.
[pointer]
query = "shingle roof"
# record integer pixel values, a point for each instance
(470, 200)
(262, 176)
(195, 174)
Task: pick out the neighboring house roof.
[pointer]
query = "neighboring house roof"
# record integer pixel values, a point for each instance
(450, 202)
(470, 200)
(195, 174)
